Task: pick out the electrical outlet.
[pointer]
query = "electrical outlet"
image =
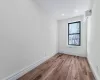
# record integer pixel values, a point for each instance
(45, 53)
(97, 68)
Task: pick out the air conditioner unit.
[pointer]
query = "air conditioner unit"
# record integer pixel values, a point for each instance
(88, 13)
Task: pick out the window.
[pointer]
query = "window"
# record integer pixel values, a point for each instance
(74, 33)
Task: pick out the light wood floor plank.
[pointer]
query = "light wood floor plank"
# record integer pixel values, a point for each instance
(61, 67)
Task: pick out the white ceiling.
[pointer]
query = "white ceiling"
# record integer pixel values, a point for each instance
(69, 8)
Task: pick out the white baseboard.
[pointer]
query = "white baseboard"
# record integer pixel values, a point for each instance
(93, 70)
(25, 70)
(71, 53)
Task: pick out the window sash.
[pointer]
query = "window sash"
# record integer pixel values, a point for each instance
(74, 41)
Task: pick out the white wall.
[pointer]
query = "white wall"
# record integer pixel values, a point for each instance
(93, 38)
(27, 35)
(63, 37)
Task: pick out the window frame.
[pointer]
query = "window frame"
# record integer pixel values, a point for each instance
(75, 33)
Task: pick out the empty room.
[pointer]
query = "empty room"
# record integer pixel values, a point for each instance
(49, 40)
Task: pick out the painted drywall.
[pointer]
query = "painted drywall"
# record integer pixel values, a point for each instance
(93, 38)
(27, 34)
(63, 37)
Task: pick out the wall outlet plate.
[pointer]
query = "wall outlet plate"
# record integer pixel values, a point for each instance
(45, 53)
(98, 71)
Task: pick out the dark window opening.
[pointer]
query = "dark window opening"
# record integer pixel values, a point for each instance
(74, 33)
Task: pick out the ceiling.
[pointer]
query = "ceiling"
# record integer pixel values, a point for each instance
(61, 9)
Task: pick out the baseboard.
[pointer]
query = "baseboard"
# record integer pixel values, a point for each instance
(25, 70)
(93, 70)
(75, 54)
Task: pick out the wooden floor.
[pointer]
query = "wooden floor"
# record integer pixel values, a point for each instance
(61, 67)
